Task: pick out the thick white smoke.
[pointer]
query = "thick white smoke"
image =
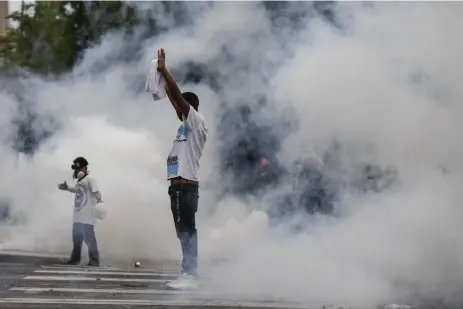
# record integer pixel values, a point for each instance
(388, 76)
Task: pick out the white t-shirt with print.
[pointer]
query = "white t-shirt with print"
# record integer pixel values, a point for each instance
(85, 201)
(183, 159)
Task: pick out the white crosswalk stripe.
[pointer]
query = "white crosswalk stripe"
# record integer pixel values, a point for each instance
(110, 291)
(97, 272)
(57, 285)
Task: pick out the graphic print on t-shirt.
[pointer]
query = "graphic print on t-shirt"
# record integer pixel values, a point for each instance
(172, 166)
(182, 134)
(81, 197)
(183, 158)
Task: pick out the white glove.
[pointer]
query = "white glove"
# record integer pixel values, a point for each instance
(100, 211)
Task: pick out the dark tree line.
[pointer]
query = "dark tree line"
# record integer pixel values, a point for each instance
(50, 37)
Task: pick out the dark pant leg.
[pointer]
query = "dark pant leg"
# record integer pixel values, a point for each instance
(184, 205)
(77, 238)
(189, 243)
(90, 241)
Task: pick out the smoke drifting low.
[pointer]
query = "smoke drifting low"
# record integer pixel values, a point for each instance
(382, 78)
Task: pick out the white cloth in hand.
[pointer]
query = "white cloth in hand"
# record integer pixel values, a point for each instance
(155, 82)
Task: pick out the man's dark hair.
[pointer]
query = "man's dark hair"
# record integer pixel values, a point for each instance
(191, 98)
(79, 162)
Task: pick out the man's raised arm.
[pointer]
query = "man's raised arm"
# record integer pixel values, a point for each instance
(173, 92)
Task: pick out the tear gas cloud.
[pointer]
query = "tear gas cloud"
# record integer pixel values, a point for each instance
(381, 77)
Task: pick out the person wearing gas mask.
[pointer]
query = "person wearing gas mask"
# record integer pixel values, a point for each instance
(87, 197)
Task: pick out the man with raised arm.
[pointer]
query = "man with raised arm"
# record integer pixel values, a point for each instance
(182, 173)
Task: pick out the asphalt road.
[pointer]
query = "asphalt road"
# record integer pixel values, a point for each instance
(49, 286)
(32, 281)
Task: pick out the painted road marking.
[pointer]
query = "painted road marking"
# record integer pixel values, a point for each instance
(97, 272)
(102, 268)
(197, 294)
(34, 254)
(146, 302)
(73, 278)
(58, 266)
(111, 291)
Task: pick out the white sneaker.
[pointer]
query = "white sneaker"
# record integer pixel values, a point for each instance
(184, 282)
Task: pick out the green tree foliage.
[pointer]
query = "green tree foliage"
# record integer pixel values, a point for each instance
(49, 37)
(94, 19)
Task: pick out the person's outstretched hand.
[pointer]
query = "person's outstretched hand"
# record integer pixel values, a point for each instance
(63, 186)
(161, 59)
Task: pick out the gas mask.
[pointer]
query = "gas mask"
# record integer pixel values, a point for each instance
(79, 171)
